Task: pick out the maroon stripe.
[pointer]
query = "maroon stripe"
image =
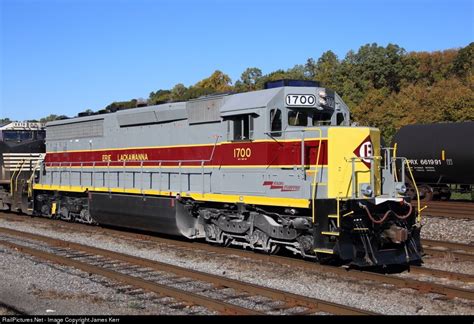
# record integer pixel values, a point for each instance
(238, 153)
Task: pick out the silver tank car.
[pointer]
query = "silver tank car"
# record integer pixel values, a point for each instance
(269, 169)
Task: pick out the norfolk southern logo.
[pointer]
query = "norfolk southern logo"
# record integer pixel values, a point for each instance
(364, 151)
(281, 186)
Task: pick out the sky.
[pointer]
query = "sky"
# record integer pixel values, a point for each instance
(65, 56)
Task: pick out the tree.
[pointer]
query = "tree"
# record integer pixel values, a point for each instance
(4, 121)
(159, 96)
(250, 77)
(178, 92)
(464, 61)
(218, 82)
(432, 67)
(117, 105)
(326, 70)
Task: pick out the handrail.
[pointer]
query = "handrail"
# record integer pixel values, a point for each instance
(18, 168)
(418, 219)
(19, 172)
(30, 181)
(313, 185)
(140, 165)
(395, 146)
(51, 164)
(372, 171)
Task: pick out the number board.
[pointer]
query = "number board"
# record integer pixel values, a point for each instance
(300, 100)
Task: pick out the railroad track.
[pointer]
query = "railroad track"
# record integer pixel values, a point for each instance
(451, 209)
(422, 286)
(117, 266)
(8, 310)
(435, 248)
(463, 252)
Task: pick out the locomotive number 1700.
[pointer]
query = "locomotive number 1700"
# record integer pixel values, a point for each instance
(242, 153)
(300, 100)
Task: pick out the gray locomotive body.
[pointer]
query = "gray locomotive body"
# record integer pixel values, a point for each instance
(280, 167)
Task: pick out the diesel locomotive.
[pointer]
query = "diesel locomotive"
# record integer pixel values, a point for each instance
(275, 168)
(22, 149)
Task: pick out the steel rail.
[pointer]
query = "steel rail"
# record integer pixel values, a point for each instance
(449, 209)
(186, 296)
(422, 286)
(12, 309)
(449, 245)
(442, 274)
(432, 247)
(449, 291)
(290, 299)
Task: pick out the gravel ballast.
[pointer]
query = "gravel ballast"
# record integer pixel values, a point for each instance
(378, 298)
(448, 229)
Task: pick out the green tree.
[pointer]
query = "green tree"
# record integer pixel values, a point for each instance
(159, 96)
(326, 70)
(4, 121)
(464, 61)
(218, 82)
(249, 80)
(178, 92)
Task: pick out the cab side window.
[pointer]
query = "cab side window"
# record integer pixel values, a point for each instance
(275, 122)
(242, 128)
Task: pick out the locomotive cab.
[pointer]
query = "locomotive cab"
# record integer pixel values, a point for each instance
(21, 149)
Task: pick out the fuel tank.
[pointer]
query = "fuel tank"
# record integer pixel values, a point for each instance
(441, 153)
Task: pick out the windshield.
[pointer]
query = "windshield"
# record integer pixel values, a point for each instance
(322, 118)
(17, 136)
(297, 118)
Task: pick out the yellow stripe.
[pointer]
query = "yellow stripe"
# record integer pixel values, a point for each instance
(187, 145)
(256, 200)
(183, 166)
(324, 251)
(330, 233)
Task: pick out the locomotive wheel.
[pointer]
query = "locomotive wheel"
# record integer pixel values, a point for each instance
(46, 211)
(86, 217)
(426, 192)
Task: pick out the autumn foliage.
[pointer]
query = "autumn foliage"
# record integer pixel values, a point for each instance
(385, 87)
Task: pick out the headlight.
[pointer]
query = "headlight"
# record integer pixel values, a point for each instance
(401, 188)
(322, 94)
(366, 190)
(322, 101)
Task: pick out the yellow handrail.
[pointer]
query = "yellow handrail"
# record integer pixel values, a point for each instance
(16, 179)
(417, 192)
(13, 175)
(30, 181)
(313, 185)
(394, 158)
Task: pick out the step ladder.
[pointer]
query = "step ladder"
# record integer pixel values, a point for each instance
(331, 231)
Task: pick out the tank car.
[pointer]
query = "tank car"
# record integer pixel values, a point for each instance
(22, 147)
(441, 155)
(276, 168)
